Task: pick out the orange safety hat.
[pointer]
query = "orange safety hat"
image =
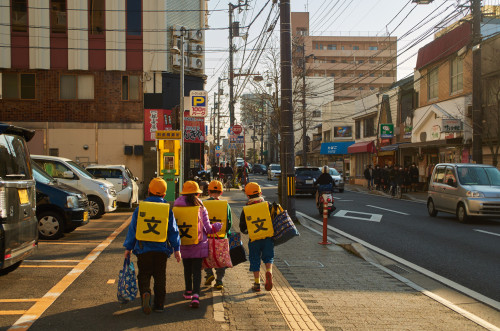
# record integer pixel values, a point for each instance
(215, 185)
(190, 187)
(252, 188)
(158, 186)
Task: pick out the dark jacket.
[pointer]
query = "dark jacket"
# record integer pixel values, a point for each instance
(367, 173)
(414, 174)
(325, 179)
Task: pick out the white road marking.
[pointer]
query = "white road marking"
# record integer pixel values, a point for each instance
(493, 233)
(372, 218)
(448, 282)
(394, 211)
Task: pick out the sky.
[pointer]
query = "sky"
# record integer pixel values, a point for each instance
(413, 24)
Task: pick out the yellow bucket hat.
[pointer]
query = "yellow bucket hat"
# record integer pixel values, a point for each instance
(158, 186)
(190, 187)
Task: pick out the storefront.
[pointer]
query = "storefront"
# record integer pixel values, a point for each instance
(336, 155)
(362, 154)
(390, 155)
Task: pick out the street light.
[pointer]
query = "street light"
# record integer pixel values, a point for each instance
(181, 109)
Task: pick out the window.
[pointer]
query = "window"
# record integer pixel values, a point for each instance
(356, 48)
(372, 61)
(342, 47)
(372, 75)
(54, 151)
(449, 177)
(439, 175)
(58, 22)
(19, 15)
(302, 32)
(18, 86)
(130, 87)
(357, 129)
(344, 61)
(361, 88)
(332, 47)
(369, 127)
(96, 17)
(432, 84)
(327, 136)
(373, 48)
(456, 75)
(76, 87)
(316, 113)
(134, 14)
(361, 61)
(333, 61)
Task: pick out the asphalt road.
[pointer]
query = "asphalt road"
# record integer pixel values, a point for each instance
(468, 254)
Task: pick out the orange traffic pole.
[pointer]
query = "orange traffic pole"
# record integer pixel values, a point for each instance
(325, 223)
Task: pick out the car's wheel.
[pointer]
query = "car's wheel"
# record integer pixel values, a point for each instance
(431, 209)
(462, 213)
(96, 207)
(10, 268)
(50, 225)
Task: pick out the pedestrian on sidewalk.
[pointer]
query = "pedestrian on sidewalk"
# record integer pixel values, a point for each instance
(193, 247)
(414, 176)
(215, 191)
(152, 255)
(369, 176)
(255, 219)
(377, 177)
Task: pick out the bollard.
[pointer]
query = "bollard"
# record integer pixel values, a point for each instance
(325, 223)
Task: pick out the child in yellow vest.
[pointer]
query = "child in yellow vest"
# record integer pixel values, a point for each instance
(193, 229)
(255, 220)
(152, 255)
(215, 191)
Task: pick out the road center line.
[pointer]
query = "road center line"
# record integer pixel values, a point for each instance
(32, 314)
(493, 233)
(394, 211)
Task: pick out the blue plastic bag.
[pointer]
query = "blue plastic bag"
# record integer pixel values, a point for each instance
(127, 283)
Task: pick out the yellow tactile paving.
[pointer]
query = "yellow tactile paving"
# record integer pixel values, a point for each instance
(291, 306)
(12, 312)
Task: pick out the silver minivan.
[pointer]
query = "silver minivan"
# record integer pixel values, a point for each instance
(464, 189)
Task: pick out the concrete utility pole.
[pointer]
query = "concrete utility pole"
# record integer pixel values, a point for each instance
(181, 106)
(304, 123)
(231, 66)
(477, 112)
(287, 141)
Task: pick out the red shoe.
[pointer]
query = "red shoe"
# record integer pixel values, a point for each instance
(269, 281)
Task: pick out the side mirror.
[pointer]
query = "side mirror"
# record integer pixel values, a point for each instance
(136, 179)
(68, 175)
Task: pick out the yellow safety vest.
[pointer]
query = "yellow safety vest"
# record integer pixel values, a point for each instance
(259, 221)
(187, 221)
(217, 212)
(152, 221)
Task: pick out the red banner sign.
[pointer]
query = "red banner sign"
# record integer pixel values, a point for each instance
(154, 120)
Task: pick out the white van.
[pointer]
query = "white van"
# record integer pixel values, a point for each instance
(100, 192)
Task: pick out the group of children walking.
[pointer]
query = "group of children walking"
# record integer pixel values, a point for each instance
(156, 232)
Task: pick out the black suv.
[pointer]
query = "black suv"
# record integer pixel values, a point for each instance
(259, 169)
(18, 225)
(305, 178)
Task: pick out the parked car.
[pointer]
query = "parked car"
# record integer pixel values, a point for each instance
(127, 190)
(259, 169)
(464, 189)
(339, 180)
(59, 208)
(100, 192)
(18, 225)
(274, 171)
(305, 178)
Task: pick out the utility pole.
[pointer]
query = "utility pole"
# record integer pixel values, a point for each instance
(287, 141)
(477, 112)
(304, 123)
(231, 66)
(181, 115)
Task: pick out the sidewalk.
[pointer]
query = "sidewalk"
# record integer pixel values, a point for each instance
(326, 288)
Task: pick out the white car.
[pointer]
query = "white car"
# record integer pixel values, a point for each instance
(127, 190)
(273, 171)
(100, 192)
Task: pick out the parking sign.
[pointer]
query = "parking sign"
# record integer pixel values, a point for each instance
(199, 102)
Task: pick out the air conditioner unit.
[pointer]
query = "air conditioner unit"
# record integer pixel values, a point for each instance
(196, 49)
(179, 30)
(196, 63)
(176, 60)
(177, 42)
(196, 35)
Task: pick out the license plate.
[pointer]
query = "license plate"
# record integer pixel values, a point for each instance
(23, 196)
(85, 216)
(309, 181)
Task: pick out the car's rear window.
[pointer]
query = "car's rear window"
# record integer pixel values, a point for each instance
(14, 156)
(105, 173)
(275, 167)
(314, 172)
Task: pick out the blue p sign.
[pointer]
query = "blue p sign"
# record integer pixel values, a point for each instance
(199, 101)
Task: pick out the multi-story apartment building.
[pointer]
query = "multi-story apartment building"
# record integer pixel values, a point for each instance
(360, 64)
(85, 74)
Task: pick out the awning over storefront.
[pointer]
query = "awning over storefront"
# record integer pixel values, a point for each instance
(392, 148)
(362, 147)
(337, 148)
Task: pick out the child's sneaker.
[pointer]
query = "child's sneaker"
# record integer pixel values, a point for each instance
(188, 295)
(195, 301)
(269, 281)
(146, 303)
(218, 285)
(256, 287)
(209, 279)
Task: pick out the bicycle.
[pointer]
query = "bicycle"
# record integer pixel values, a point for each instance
(228, 182)
(397, 191)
